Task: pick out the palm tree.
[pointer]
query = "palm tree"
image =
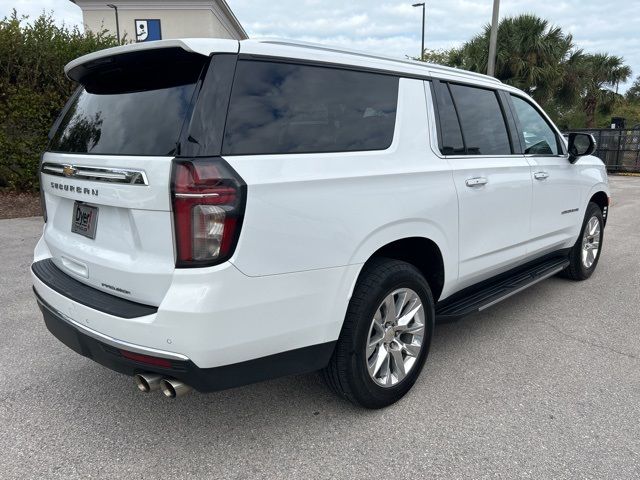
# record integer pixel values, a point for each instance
(602, 73)
(530, 55)
(633, 94)
(540, 59)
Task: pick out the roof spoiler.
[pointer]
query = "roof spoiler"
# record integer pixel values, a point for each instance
(77, 69)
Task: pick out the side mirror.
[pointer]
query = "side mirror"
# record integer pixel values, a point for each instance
(580, 145)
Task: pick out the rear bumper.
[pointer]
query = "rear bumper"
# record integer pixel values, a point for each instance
(214, 316)
(110, 352)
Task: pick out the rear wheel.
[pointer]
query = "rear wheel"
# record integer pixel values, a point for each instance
(585, 253)
(386, 335)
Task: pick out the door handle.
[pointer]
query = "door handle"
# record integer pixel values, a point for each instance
(540, 175)
(476, 181)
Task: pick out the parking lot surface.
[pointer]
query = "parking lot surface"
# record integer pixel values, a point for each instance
(544, 385)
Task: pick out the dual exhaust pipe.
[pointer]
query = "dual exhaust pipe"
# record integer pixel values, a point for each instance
(170, 387)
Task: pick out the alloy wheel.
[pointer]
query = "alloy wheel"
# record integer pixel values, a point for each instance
(395, 337)
(591, 242)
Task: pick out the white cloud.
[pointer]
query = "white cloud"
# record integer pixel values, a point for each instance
(393, 27)
(63, 11)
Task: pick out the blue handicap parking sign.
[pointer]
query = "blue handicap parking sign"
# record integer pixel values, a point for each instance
(148, 30)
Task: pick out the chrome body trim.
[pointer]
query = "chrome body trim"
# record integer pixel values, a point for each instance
(114, 342)
(476, 181)
(196, 195)
(126, 176)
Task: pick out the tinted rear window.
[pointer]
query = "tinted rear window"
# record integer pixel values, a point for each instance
(483, 125)
(286, 108)
(134, 105)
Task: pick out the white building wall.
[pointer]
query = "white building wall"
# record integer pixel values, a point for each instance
(178, 19)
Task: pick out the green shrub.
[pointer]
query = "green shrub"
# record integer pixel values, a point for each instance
(33, 89)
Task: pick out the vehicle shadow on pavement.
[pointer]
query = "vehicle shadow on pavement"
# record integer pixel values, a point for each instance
(258, 408)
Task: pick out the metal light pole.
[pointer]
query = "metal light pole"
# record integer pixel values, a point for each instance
(493, 39)
(421, 5)
(111, 5)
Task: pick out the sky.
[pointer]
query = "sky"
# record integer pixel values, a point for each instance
(393, 27)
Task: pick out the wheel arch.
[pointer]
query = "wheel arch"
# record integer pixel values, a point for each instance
(421, 252)
(601, 198)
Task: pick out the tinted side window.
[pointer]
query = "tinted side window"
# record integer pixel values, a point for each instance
(452, 142)
(286, 108)
(483, 125)
(537, 136)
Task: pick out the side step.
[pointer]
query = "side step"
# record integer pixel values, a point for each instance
(476, 299)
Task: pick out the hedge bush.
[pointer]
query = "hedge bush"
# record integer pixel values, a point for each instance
(33, 89)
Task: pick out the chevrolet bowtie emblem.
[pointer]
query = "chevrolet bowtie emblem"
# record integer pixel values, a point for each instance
(68, 171)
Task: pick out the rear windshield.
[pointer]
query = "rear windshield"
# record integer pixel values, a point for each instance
(286, 108)
(134, 106)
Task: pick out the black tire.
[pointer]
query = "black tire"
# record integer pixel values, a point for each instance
(577, 269)
(347, 372)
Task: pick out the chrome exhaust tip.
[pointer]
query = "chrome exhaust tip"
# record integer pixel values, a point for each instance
(173, 388)
(147, 382)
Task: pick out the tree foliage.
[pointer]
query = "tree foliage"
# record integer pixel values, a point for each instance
(633, 94)
(602, 73)
(576, 89)
(33, 88)
(530, 55)
(442, 57)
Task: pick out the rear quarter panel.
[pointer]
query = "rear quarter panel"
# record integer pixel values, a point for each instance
(313, 211)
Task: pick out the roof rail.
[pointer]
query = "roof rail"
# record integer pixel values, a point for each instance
(359, 53)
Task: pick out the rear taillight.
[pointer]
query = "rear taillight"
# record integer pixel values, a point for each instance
(208, 204)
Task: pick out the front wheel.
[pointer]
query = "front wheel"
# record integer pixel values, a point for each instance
(385, 337)
(585, 254)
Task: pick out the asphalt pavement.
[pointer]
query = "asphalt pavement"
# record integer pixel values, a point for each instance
(544, 385)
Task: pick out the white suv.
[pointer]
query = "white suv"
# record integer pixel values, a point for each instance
(223, 212)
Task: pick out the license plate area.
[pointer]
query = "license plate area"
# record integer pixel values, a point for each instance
(85, 220)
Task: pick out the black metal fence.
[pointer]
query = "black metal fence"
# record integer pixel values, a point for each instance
(619, 149)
